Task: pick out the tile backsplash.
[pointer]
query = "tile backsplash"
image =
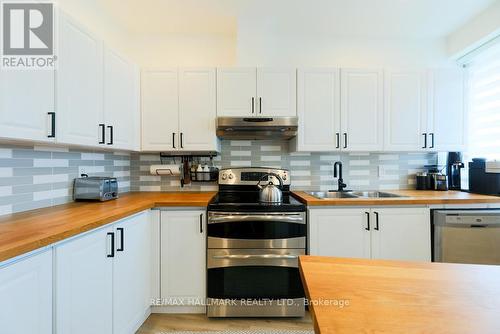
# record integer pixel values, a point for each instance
(33, 177)
(309, 171)
(37, 176)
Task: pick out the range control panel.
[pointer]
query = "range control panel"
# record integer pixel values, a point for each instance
(252, 175)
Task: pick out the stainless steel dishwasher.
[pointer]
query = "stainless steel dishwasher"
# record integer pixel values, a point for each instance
(466, 236)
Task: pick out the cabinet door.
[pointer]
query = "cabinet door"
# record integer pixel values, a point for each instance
(160, 110)
(446, 110)
(236, 91)
(318, 110)
(361, 109)
(401, 234)
(183, 255)
(27, 285)
(276, 92)
(25, 99)
(339, 232)
(197, 109)
(84, 285)
(405, 111)
(131, 273)
(121, 109)
(79, 85)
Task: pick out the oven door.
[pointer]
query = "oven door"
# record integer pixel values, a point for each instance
(256, 230)
(271, 274)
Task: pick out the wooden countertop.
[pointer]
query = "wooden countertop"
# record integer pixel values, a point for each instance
(27, 231)
(401, 297)
(413, 197)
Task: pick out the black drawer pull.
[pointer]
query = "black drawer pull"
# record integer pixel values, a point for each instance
(367, 221)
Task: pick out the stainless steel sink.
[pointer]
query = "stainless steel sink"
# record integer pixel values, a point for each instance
(352, 194)
(375, 194)
(331, 194)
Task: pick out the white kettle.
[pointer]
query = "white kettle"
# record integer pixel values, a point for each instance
(270, 193)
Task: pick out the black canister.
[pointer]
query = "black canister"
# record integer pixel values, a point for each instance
(424, 181)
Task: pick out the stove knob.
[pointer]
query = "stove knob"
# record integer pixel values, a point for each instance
(224, 176)
(284, 177)
(230, 176)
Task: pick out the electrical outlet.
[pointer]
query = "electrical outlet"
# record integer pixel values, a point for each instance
(82, 170)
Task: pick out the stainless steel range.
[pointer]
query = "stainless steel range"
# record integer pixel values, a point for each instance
(253, 247)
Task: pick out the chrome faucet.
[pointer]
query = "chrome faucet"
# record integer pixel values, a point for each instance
(338, 166)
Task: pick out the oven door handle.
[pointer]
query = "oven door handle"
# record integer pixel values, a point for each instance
(260, 256)
(241, 218)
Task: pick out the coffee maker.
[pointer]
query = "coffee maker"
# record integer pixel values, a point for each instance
(454, 165)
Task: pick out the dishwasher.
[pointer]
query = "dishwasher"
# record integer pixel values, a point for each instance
(466, 236)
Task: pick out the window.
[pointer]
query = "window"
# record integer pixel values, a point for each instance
(484, 108)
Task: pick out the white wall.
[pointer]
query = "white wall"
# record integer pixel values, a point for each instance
(477, 31)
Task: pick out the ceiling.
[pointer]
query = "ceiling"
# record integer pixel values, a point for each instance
(414, 19)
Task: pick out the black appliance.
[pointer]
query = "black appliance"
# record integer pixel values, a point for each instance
(454, 165)
(253, 248)
(484, 177)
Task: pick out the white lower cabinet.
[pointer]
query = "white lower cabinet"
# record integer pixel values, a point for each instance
(103, 279)
(132, 274)
(84, 284)
(26, 295)
(339, 232)
(183, 259)
(378, 233)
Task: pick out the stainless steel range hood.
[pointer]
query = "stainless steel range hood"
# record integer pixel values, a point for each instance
(250, 128)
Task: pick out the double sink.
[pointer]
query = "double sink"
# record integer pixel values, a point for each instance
(352, 194)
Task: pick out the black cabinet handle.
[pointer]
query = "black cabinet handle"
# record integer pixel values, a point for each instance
(425, 140)
(52, 115)
(201, 222)
(182, 140)
(103, 133)
(432, 140)
(111, 135)
(260, 105)
(112, 235)
(376, 221)
(253, 105)
(345, 140)
(173, 139)
(367, 221)
(338, 140)
(122, 239)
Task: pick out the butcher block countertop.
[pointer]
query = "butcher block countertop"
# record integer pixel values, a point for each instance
(375, 296)
(23, 232)
(412, 197)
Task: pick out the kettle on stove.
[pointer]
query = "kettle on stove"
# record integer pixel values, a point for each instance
(270, 193)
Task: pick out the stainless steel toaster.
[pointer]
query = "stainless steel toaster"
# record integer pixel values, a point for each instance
(95, 188)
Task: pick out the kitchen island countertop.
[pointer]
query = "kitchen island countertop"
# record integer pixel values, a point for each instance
(376, 296)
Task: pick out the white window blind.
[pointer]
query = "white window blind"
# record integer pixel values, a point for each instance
(484, 108)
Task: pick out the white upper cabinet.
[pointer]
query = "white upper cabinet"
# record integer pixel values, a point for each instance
(179, 110)
(197, 109)
(121, 101)
(256, 92)
(26, 104)
(236, 91)
(79, 85)
(276, 92)
(401, 234)
(27, 285)
(405, 110)
(361, 109)
(447, 113)
(160, 110)
(318, 110)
